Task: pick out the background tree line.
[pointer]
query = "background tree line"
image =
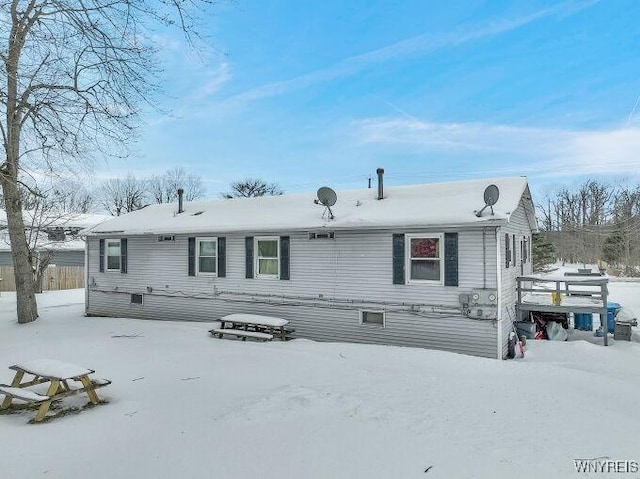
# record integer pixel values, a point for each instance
(594, 222)
(123, 195)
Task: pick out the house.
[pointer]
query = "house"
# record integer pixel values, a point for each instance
(54, 236)
(417, 267)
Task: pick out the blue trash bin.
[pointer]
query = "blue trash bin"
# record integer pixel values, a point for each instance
(612, 310)
(583, 321)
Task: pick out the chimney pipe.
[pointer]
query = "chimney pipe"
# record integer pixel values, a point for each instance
(380, 172)
(180, 193)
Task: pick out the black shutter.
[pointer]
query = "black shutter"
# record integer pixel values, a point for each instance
(514, 251)
(123, 255)
(284, 257)
(248, 259)
(192, 256)
(507, 252)
(398, 258)
(222, 257)
(451, 259)
(102, 256)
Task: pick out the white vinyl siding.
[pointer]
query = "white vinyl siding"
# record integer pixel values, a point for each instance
(354, 268)
(512, 266)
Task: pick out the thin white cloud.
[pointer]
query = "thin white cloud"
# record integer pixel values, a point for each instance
(215, 79)
(522, 150)
(414, 46)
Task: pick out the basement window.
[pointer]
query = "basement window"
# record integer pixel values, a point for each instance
(376, 318)
(136, 299)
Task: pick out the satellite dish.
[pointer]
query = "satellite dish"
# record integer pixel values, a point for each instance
(326, 196)
(491, 195)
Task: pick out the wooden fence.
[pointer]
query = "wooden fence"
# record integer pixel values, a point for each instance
(55, 277)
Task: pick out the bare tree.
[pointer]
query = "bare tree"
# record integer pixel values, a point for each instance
(72, 197)
(49, 215)
(593, 222)
(75, 74)
(119, 196)
(164, 188)
(252, 187)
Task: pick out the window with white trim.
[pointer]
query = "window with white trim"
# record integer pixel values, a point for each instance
(424, 261)
(112, 255)
(376, 318)
(207, 256)
(267, 254)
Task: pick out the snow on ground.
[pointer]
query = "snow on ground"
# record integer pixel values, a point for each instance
(183, 404)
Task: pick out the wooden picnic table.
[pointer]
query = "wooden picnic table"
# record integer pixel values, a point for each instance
(253, 326)
(62, 378)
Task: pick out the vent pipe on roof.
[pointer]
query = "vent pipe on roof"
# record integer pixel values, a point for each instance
(380, 172)
(180, 194)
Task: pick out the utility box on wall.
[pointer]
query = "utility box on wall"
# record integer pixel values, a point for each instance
(480, 303)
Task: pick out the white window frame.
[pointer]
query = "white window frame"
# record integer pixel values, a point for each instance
(256, 258)
(408, 238)
(375, 325)
(106, 255)
(198, 241)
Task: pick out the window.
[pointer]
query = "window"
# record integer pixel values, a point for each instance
(507, 251)
(267, 257)
(136, 299)
(372, 317)
(425, 258)
(113, 255)
(207, 254)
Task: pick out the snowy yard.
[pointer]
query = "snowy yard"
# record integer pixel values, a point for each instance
(185, 405)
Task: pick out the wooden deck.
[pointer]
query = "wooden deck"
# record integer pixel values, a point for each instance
(578, 294)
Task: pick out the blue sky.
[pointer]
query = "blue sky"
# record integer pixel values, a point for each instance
(310, 93)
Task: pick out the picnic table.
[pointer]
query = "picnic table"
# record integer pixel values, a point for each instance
(255, 326)
(64, 380)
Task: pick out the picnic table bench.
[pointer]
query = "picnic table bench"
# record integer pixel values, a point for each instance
(59, 375)
(263, 328)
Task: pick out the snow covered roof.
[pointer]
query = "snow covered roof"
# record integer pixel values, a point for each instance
(48, 221)
(43, 243)
(57, 219)
(436, 204)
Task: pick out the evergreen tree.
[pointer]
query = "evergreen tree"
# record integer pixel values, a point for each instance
(613, 249)
(543, 252)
